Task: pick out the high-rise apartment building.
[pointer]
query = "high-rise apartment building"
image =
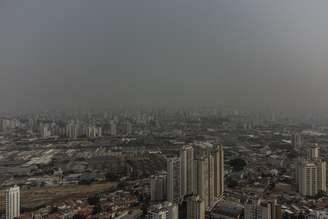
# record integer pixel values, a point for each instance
(297, 141)
(311, 173)
(313, 152)
(93, 132)
(12, 202)
(45, 131)
(9, 124)
(208, 173)
(308, 177)
(73, 130)
(195, 208)
(201, 181)
(322, 175)
(173, 180)
(197, 177)
(187, 170)
(158, 188)
(219, 170)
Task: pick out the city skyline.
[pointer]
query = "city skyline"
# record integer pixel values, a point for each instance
(175, 109)
(182, 164)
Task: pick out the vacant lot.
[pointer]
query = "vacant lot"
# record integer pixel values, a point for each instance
(37, 197)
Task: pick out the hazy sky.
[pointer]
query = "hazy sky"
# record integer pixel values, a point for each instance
(253, 54)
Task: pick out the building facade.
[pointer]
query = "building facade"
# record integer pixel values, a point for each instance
(158, 187)
(166, 210)
(195, 208)
(187, 170)
(311, 175)
(297, 141)
(12, 202)
(173, 180)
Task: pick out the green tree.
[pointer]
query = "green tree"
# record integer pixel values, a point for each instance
(232, 183)
(237, 164)
(94, 199)
(53, 209)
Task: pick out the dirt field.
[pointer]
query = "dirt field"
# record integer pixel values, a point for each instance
(36, 197)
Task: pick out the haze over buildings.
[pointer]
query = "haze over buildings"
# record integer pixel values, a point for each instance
(245, 54)
(172, 109)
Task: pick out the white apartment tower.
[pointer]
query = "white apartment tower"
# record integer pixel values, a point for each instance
(93, 132)
(45, 131)
(311, 173)
(73, 130)
(187, 170)
(12, 202)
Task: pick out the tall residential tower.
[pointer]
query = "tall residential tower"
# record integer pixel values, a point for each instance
(311, 173)
(12, 203)
(173, 180)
